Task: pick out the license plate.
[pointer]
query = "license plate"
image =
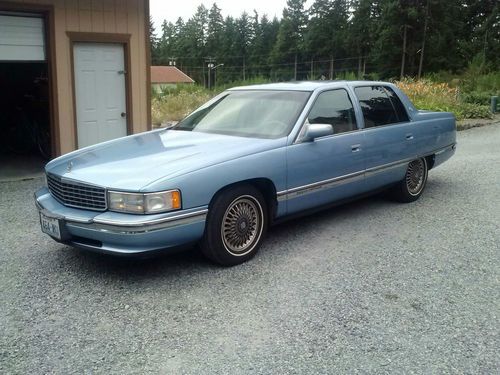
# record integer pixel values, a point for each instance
(50, 226)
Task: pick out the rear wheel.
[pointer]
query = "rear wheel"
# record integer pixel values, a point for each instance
(412, 186)
(236, 225)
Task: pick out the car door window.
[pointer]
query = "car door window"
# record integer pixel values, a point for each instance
(378, 110)
(334, 108)
(398, 106)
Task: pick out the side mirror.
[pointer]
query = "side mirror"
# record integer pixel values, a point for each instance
(313, 131)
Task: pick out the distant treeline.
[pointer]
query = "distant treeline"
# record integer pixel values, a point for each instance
(375, 38)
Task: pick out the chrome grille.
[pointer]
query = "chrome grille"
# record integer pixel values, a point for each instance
(75, 194)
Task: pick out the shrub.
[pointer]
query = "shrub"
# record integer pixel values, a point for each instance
(434, 96)
(177, 105)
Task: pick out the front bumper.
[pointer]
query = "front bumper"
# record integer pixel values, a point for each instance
(118, 233)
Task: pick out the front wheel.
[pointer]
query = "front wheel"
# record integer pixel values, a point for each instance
(236, 225)
(412, 186)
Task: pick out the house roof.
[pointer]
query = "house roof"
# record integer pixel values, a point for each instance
(168, 74)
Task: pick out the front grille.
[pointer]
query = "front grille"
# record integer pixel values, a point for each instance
(74, 194)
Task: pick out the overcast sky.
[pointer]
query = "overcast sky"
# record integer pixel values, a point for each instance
(171, 10)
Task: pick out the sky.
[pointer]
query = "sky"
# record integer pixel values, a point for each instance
(171, 10)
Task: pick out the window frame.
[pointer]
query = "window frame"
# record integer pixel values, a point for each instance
(353, 104)
(384, 87)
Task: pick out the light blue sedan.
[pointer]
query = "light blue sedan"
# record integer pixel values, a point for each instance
(248, 158)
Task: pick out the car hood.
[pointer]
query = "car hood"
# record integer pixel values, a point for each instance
(133, 162)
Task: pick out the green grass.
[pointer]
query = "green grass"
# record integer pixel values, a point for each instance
(467, 95)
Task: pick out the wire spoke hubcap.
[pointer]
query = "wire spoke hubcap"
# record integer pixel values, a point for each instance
(415, 176)
(242, 225)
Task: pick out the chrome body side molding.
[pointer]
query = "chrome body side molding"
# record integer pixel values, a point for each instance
(345, 179)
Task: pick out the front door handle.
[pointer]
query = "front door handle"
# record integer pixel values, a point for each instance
(409, 137)
(355, 148)
(123, 114)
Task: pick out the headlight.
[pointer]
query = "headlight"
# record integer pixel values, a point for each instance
(144, 203)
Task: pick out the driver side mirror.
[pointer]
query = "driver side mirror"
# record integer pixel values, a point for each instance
(313, 131)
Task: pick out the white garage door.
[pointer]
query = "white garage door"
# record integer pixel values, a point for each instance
(100, 92)
(21, 38)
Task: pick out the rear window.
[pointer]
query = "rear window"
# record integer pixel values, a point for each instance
(380, 106)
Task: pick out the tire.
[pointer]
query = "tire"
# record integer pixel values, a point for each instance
(412, 186)
(236, 225)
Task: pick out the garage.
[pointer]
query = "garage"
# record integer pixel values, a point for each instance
(73, 73)
(24, 98)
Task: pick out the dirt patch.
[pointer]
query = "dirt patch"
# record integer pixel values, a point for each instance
(474, 123)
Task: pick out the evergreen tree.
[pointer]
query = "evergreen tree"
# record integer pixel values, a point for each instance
(290, 41)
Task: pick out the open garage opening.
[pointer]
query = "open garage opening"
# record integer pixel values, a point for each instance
(25, 119)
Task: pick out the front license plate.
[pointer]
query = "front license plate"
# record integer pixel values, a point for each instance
(50, 226)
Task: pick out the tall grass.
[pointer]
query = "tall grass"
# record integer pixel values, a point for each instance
(178, 103)
(434, 96)
(175, 103)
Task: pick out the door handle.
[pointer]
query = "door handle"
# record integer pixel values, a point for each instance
(409, 137)
(123, 114)
(355, 148)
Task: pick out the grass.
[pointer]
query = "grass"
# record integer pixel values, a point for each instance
(466, 96)
(435, 96)
(176, 103)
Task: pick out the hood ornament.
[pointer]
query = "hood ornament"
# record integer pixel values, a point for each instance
(69, 167)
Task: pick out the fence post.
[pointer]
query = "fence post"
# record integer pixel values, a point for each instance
(494, 102)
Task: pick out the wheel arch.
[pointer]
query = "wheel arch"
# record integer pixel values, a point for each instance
(264, 185)
(430, 159)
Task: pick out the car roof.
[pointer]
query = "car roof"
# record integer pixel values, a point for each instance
(306, 85)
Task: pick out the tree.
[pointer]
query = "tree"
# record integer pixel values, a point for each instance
(153, 41)
(290, 40)
(215, 31)
(360, 35)
(327, 31)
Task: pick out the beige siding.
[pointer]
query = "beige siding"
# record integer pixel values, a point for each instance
(98, 16)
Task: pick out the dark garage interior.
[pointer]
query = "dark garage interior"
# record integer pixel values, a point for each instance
(24, 117)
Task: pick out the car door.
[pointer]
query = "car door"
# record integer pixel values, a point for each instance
(389, 135)
(330, 167)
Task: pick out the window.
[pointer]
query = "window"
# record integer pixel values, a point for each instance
(252, 113)
(398, 106)
(334, 108)
(380, 106)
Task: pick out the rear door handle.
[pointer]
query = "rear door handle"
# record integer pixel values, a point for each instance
(355, 148)
(409, 136)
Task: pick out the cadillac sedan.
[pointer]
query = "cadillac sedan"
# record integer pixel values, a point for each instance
(248, 158)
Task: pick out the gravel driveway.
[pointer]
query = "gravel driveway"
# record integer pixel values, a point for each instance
(369, 287)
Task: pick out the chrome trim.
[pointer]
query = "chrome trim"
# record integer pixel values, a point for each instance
(351, 177)
(385, 167)
(52, 179)
(73, 219)
(173, 222)
(127, 227)
(150, 222)
(306, 189)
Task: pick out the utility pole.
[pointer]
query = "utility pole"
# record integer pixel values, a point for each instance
(331, 68)
(244, 68)
(421, 62)
(210, 64)
(401, 75)
(312, 70)
(295, 68)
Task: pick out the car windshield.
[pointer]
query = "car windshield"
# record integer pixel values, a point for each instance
(252, 113)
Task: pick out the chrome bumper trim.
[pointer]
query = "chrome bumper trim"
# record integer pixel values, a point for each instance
(151, 226)
(120, 227)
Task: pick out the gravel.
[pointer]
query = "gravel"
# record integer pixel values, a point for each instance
(369, 287)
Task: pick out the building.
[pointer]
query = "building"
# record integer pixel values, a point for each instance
(163, 77)
(73, 73)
